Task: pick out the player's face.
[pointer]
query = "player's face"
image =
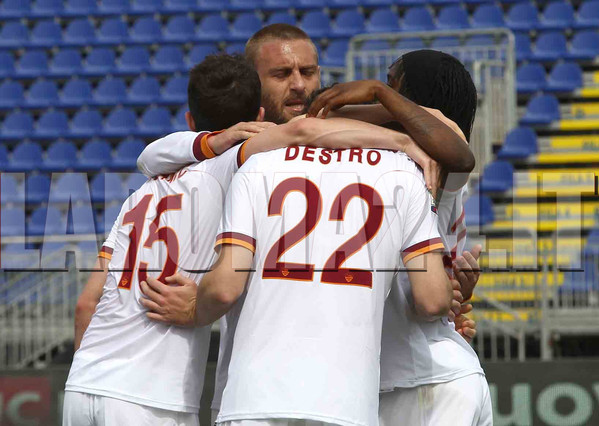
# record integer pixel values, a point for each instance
(289, 73)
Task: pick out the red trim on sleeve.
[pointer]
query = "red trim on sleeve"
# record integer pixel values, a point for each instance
(237, 239)
(201, 149)
(422, 248)
(105, 252)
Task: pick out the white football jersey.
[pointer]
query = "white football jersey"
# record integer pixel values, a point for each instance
(168, 225)
(327, 228)
(416, 352)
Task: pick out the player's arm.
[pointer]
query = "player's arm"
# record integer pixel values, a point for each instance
(431, 288)
(89, 298)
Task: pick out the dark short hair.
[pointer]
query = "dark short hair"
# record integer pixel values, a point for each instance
(274, 32)
(222, 91)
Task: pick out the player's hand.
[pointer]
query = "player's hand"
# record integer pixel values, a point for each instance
(350, 93)
(464, 325)
(467, 271)
(456, 302)
(431, 169)
(241, 131)
(171, 304)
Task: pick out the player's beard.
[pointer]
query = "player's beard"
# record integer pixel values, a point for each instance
(275, 111)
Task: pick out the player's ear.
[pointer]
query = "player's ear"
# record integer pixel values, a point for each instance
(261, 113)
(190, 122)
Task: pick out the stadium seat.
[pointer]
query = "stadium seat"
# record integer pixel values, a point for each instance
(99, 62)
(180, 125)
(530, 78)
(452, 18)
(80, 221)
(523, 47)
(550, 46)
(112, 31)
(558, 15)
(86, 124)
(37, 189)
(519, 144)
(168, 59)
(76, 93)
(95, 155)
(565, 77)
(417, 19)
(382, 21)
(143, 91)
(114, 7)
(69, 187)
(15, 8)
(441, 42)
(245, 5)
(198, 53)
(16, 125)
(522, 17)
(593, 238)
(135, 181)
(488, 16)
(155, 121)
(80, 7)
(120, 122)
(347, 24)
(46, 34)
(52, 124)
(79, 32)
(584, 45)
(9, 190)
(244, 26)
(13, 34)
(316, 24)
(7, 64)
(588, 15)
(60, 156)
(46, 221)
(216, 5)
(146, 30)
(213, 28)
(542, 109)
(235, 48)
(110, 91)
(276, 4)
(334, 56)
(338, 4)
(134, 60)
(127, 153)
(411, 43)
(3, 157)
(497, 177)
(281, 18)
(66, 62)
(42, 93)
(479, 210)
(443, 2)
(26, 157)
(179, 5)
(310, 4)
(11, 94)
(146, 6)
(12, 225)
(33, 63)
(179, 29)
(107, 188)
(49, 8)
(375, 45)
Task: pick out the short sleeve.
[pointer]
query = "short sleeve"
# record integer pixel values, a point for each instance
(224, 166)
(237, 224)
(109, 244)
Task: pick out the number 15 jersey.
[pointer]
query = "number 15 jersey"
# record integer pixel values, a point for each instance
(327, 228)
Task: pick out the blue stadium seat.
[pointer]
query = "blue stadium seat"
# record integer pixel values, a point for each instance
(107, 188)
(550, 46)
(565, 77)
(111, 91)
(479, 210)
(168, 59)
(127, 153)
(488, 16)
(114, 7)
(15, 8)
(542, 109)
(46, 34)
(146, 6)
(584, 45)
(417, 19)
(86, 124)
(155, 121)
(179, 29)
(411, 43)
(593, 238)
(100, 61)
(79, 32)
(316, 24)
(60, 156)
(120, 122)
(7, 64)
(16, 125)
(530, 78)
(179, 5)
(523, 47)
(276, 4)
(12, 225)
(49, 8)
(452, 18)
(520, 143)
(37, 189)
(244, 26)
(13, 34)
(3, 157)
(66, 62)
(69, 187)
(112, 31)
(215, 5)
(9, 190)
(199, 52)
(42, 93)
(334, 56)
(588, 15)
(76, 93)
(52, 124)
(46, 221)
(27, 156)
(338, 4)
(245, 4)
(443, 2)
(310, 4)
(522, 17)
(558, 15)
(180, 125)
(95, 155)
(11, 94)
(382, 21)
(135, 181)
(348, 23)
(134, 60)
(213, 28)
(143, 91)
(497, 177)
(33, 63)
(81, 7)
(235, 48)
(80, 221)
(146, 30)
(447, 41)
(375, 45)
(281, 18)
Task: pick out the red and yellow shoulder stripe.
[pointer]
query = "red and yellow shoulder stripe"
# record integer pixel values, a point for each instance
(201, 148)
(105, 252)
(236, 238)
(422, 248)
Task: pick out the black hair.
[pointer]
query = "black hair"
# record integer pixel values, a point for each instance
(222, 91)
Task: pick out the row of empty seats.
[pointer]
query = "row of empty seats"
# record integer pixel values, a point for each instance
(564, 77)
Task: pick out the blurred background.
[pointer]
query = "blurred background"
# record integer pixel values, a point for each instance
(85, 84)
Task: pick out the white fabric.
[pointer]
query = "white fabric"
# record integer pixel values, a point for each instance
(82, 409)
(461, 402)
(303, 348)
(414, 351)
(275, 422)
(125, 355)
(168, 154)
